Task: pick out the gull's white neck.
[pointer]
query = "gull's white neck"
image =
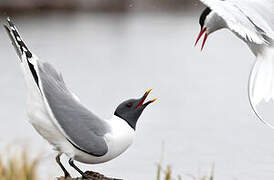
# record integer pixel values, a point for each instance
(120, 137)
(118, 123)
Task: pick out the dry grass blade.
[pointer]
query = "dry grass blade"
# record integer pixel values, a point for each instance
(168, 173)
(18, 166)
(212, 172)
(159, 168)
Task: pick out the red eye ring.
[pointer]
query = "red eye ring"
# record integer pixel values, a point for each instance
(129, 105)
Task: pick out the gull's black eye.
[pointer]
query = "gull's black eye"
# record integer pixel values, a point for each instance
(129, 105)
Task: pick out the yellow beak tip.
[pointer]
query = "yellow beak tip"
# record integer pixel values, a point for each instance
(154, 99)
(149, 91)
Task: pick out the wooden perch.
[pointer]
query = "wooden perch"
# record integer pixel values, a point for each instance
(93, 176)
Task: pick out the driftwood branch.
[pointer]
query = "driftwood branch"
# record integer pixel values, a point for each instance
(93, 176)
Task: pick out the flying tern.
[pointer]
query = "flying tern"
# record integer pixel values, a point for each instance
(253, 22)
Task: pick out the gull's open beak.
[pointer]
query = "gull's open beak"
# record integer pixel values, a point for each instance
(142, 100)
(203, 31)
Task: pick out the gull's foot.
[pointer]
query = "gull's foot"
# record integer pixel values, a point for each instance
(86, 176)
(67, 176)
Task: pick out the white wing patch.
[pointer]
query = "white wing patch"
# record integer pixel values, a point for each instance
(261, 84)
(238, 21)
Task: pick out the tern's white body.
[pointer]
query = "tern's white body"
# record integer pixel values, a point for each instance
(118, 139)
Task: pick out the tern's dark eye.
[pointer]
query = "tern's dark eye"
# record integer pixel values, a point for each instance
(129, 105)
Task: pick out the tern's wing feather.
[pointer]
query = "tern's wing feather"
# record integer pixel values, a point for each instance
(260, 85)
(260, 12)
(245, 18)
(82, 128)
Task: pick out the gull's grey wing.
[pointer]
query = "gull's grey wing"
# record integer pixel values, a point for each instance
(82, 128)
(245, 18)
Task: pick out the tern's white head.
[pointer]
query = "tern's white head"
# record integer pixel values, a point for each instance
(210, 22)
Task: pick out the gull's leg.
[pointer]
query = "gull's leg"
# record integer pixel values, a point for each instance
(61, 165)
(85, 176)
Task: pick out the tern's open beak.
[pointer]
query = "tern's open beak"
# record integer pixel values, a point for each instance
(203, 31)
(142, 100)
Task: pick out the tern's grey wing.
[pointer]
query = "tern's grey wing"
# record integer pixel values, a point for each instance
(243, 19)
(82, 128)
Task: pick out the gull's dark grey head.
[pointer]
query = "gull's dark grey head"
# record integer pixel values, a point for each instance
(130, 110)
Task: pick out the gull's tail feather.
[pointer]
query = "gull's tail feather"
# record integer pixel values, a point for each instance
(17, 49)
(261, 83)
(16, 39)
(29, 61)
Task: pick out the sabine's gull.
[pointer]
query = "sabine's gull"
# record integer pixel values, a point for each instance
(58, 115)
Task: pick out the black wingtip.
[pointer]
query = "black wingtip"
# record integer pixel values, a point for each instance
(12, 25)
(9, 21)
(9, 32)
(12, 29)
(6, 28)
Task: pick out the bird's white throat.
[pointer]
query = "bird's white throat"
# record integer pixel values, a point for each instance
(121, 135)
(214, 22)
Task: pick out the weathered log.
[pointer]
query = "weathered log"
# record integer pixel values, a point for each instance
(93, 176)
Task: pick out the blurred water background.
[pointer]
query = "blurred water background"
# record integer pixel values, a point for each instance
(110, 52)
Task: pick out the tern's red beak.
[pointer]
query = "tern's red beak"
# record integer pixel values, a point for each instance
(203, 31)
